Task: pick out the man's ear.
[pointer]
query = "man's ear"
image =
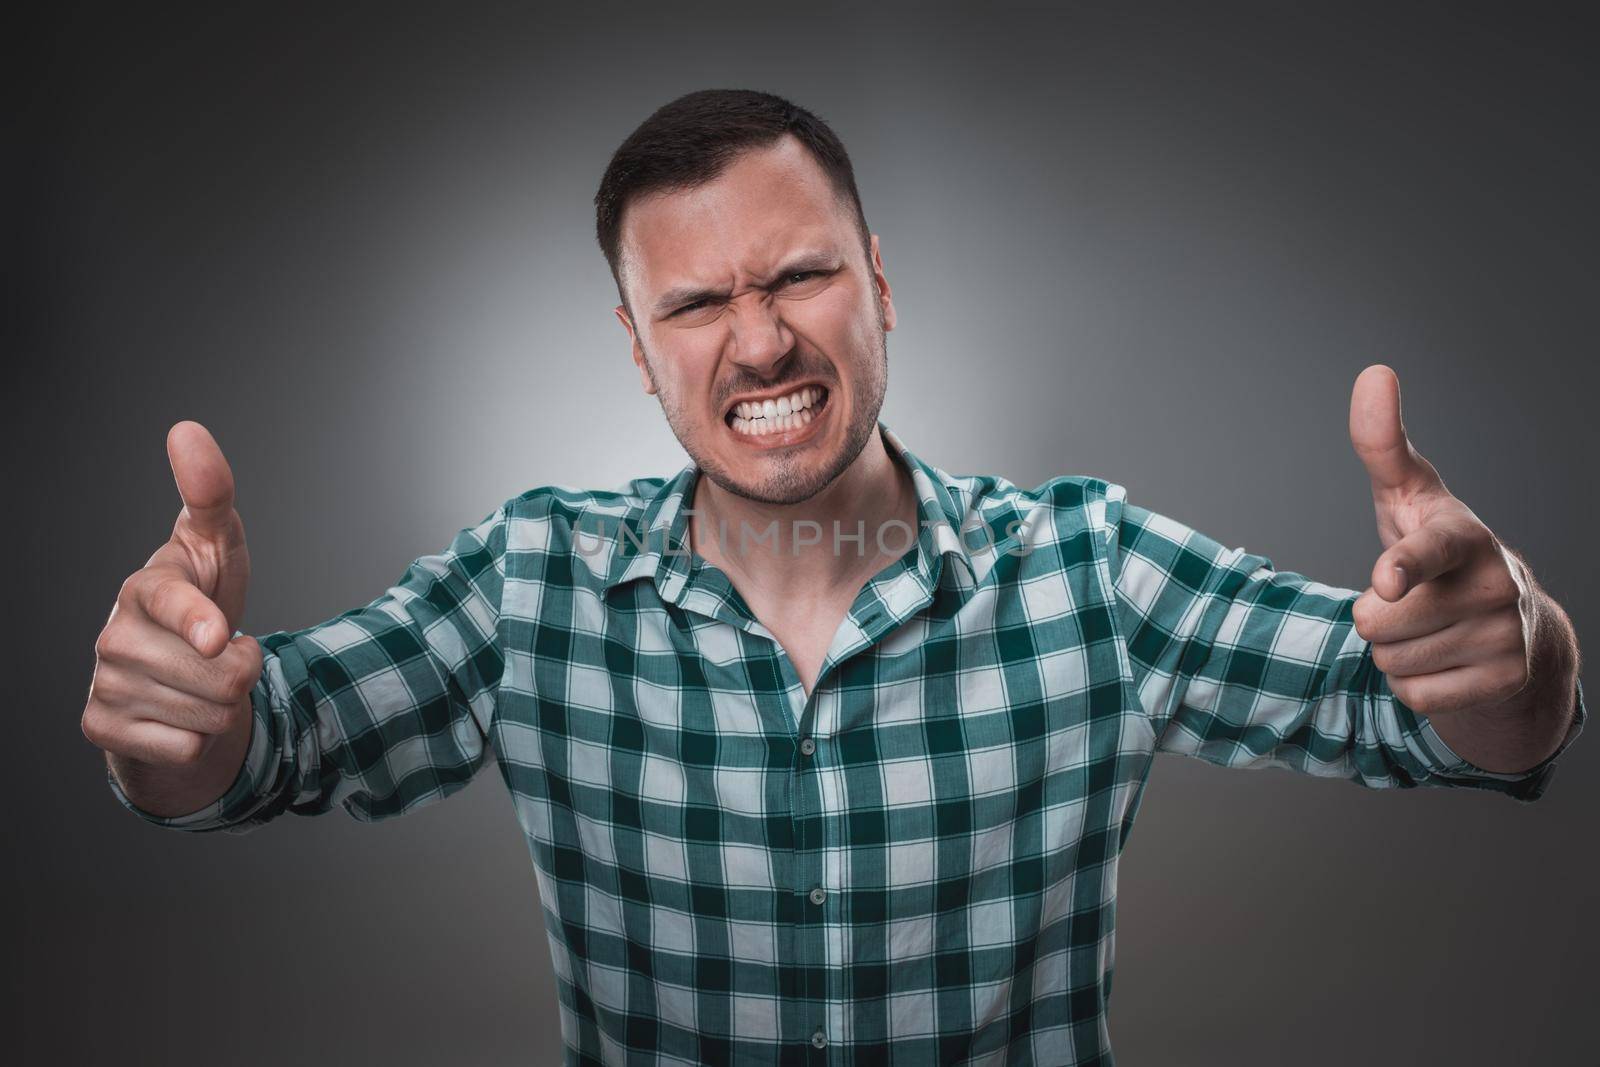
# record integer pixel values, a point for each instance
(885, 298)
(638, 350)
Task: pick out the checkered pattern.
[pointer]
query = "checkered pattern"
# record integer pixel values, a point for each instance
(917, 863)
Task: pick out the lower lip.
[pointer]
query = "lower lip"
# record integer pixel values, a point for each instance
(786, 438)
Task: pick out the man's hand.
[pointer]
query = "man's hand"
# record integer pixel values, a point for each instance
(1455, 619)
(170, 698)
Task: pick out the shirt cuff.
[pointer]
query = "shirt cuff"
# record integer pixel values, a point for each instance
(1523, 785)
(242, 798)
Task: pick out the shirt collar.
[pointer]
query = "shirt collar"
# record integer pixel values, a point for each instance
(657, 542)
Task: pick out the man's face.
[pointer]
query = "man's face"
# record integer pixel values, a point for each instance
(753, 290)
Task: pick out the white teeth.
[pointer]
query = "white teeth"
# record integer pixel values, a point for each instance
(760, 417)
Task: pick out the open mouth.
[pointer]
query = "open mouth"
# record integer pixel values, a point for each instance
(793, 411)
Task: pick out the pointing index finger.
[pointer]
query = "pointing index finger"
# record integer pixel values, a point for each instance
(167, 595)
(1432, 550)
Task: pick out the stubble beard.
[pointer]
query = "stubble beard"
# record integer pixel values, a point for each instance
(791, 483)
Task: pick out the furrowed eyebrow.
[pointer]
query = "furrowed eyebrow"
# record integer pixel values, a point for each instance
(689, 294)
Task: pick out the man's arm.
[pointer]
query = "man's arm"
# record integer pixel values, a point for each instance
(169, 701)
(383, 708)
(1246, 666)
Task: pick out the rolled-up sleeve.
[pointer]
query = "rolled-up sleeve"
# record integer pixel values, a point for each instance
(1242, 665)
(381, 709)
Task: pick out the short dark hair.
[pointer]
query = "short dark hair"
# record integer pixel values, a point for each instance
(694, 138)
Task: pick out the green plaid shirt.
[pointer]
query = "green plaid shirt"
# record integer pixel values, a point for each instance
(915, 864)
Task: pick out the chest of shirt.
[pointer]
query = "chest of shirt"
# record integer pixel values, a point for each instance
(994, 714)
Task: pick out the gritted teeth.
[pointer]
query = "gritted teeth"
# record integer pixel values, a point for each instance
(790, 412)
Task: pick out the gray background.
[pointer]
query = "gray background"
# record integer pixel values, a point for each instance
(1152, 245)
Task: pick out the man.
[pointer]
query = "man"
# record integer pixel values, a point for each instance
(822, 753)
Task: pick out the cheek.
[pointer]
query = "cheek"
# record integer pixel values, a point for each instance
(838, 324)
(682, 365)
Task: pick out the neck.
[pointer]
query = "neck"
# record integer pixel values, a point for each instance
(805, 551)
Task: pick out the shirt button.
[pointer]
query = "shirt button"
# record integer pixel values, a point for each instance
(818, 895)
(819, 1040)
(807, 747)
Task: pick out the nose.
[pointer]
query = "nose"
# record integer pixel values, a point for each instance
(759, 339)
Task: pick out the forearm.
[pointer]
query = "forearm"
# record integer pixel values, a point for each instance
(170, 791)
(1518, 734)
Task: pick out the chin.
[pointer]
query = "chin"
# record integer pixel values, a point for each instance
(780, 490)
(785, 472)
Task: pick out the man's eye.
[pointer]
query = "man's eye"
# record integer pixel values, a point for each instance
(796, 278)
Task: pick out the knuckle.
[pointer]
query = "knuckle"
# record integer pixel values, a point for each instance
(240, 680)
(187, 750)
(108, 687)
(242, 670)
(109, 644)
(1361, 617)
(132, 586)
(163, 595)
(1409, 696)
(119, 643)
(96, 725)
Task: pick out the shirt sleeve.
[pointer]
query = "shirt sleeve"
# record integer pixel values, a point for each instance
(381, 709)
(1245, 666)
